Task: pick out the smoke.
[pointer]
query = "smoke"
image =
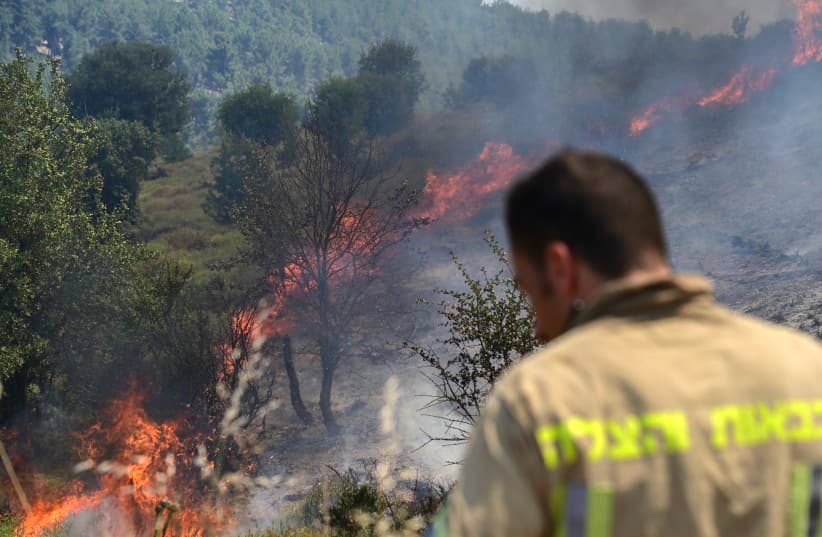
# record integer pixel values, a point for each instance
(696, 16)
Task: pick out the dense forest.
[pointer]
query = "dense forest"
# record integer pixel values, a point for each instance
(226, 46)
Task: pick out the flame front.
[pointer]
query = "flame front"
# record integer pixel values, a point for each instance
(740, 87)
(459, 195)
(140, 470)
(747, 81)
(807, 42)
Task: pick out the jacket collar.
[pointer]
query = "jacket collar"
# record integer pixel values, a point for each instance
(622, 299)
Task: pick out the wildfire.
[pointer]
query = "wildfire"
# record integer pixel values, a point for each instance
(342, 261)
(459, 195)
(807, 43)
(140, 470)
(746, 81)
(740, 87)
(650, 116)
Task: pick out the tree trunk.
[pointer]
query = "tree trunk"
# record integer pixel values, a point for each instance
(328, 361)
(294, 383)
(325, 401)
(328, 351)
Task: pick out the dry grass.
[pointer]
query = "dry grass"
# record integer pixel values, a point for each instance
(174, 222)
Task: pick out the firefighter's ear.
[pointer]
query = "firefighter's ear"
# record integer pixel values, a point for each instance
(560, 267)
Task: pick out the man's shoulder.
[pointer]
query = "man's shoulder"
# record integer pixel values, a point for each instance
(567, 374)
(563, 357)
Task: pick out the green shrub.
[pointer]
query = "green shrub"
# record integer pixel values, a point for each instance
(338, 504)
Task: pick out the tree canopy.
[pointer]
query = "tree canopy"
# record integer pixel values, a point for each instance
(61, 257)
(392, 80)
(253, 117)
(133, 81)
(260, 114)
(126, 150)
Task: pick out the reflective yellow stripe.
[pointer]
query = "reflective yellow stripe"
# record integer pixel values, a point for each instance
(599, 512)
(800, 500)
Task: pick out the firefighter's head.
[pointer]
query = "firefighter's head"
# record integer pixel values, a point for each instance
(578, 221)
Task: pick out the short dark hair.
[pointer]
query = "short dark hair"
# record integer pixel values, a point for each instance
(598, 205)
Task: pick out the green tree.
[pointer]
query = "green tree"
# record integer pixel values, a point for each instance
(490, 326)
(228, 191)
(26, 22)
(127, 149)
(64, 262)
(254, 117)
(498, 81)
(133, 81)
(391, 77)
(339, 108)
(260, 115)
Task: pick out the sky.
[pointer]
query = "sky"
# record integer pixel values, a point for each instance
(695, 16)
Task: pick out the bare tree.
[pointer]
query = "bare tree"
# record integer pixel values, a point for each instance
(323, 228)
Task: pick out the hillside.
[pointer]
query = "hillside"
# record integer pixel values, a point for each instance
(224, 46)
(173, 219)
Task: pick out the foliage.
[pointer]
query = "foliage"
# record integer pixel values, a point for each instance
(493, 80)
(126, 151)
(174, 223)
(294, 45)
(260, 115)
(339, 108)
(228, 191)
(739, 25)
(255, 116)
(8, 526)
(391, 76)
(62, 259)
(340, 503)
(82, 309)
(490, 326)
(132, 81)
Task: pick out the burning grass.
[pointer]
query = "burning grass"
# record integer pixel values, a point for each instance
(149, 464)
(746, 81)
(139, 463)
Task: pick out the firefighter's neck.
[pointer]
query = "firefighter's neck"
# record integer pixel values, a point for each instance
(650, 269)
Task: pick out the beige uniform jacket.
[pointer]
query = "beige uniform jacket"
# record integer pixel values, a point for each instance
(661, 414)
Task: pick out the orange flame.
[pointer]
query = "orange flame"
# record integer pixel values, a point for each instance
(342, 261)
(740, 87)
(459, 195)
(807, 37)
(737, 90)
(142, 458)
(807, 42)
(652, 115)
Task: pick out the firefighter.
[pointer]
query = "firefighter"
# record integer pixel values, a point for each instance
(652, 410)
